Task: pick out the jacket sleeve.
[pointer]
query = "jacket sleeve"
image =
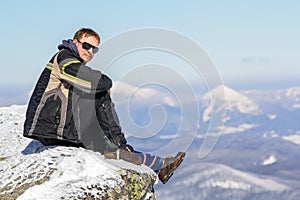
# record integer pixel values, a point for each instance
(74, 72)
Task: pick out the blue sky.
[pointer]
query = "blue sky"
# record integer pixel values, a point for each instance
(254, 44)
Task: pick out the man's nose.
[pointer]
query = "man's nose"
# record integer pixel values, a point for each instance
(91, 51)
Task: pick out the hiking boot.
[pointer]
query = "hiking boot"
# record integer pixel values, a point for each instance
(169, 166)
(124, 155)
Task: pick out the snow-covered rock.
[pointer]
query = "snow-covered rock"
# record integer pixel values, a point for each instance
(30, 170)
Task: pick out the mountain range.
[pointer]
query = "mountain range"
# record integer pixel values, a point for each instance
(256, 155)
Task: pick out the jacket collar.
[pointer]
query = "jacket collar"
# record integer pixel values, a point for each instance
(69, 44)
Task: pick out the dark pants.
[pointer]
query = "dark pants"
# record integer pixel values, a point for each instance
(99, 128)
(98, 124)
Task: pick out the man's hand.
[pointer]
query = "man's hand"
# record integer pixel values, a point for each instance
(129, 148)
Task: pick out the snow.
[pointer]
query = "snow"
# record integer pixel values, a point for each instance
(255, 181)
(78, 169)
(227, 184)
(293, 93)
(220, 176)
(240, 128)
(287, 98)
(270, 160)
(293, 138)
(166, 137)
(169, 101)
(234, 101)
(267, 107)
(11, 126)
(72, 167)
(123, 92)
(271, 117)
(293, 96)
(271, 134)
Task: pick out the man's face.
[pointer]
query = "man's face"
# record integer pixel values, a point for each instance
(86, 47)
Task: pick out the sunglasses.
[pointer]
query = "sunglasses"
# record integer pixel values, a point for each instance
(88, 46)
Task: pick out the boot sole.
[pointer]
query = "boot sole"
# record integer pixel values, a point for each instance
(167, 178)
(170, 174)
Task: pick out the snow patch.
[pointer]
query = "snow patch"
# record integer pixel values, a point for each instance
(270, 160)
(217, 175)
(296, 106)
(271, 117)
(292, 138)
(240, 128)
(229, 184)
(167, 137)
(234, 101)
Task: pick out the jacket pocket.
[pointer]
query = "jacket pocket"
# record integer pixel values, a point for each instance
(50, 115)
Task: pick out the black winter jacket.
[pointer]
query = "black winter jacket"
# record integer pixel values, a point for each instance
(50, 110)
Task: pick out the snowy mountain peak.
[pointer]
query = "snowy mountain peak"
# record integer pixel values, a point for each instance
(234, 100)
(125, 93)
(293, 94)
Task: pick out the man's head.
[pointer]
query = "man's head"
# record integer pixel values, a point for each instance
(87, 42)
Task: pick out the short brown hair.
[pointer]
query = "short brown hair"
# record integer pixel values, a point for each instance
(86, 32)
